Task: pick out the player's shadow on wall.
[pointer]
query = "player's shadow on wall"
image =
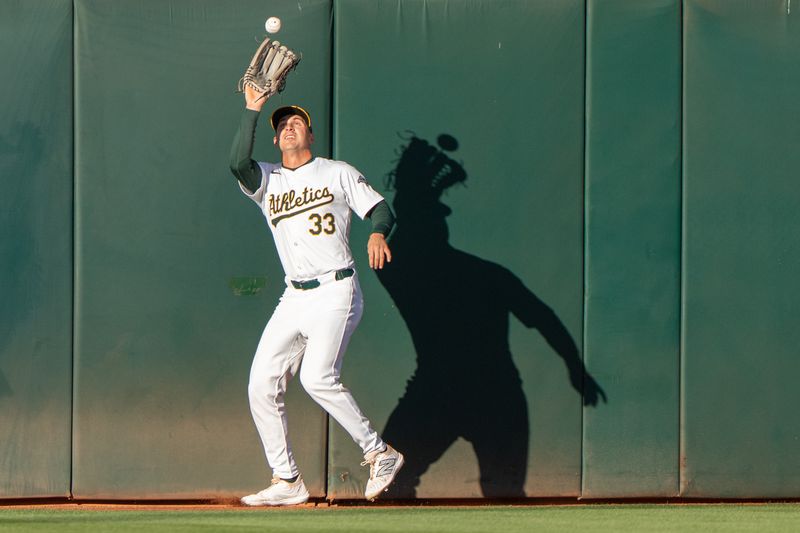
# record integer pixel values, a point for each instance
(457, 308)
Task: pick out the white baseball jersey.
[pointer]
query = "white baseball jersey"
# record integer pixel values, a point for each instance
(308, 211)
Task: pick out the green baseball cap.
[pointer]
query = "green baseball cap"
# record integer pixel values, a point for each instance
(284, 111)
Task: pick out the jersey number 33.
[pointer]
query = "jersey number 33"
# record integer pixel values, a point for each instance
(322, 224)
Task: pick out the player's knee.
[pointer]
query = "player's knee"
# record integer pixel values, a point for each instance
(263, 389)
(311, 384)
(315, 385)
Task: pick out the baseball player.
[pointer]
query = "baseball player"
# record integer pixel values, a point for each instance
(307, 202)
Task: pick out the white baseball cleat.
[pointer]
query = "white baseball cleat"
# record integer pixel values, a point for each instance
(280, 492)
(383, 467)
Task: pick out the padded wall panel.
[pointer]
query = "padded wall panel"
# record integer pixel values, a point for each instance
(35, 247)
(742, 226)
(176, 270)
(633, 188)
(476, 110)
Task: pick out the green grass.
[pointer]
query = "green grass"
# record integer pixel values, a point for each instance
(578, 518)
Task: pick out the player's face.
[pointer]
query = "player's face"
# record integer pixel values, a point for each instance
(293, 134)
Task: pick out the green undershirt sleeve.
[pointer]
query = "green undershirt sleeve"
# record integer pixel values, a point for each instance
(243, 167)
(382, 218)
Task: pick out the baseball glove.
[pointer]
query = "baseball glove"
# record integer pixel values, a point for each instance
(268, 69)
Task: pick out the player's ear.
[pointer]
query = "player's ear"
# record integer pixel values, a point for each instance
(275, 140)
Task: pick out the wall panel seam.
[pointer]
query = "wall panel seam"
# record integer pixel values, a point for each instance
(74, 256)
(332, 136)
(584, 237)
(682, 252)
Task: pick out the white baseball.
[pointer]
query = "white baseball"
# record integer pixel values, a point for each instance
(273, 25)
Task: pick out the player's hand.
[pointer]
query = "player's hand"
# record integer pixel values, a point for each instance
(378, 251)
(253, 99)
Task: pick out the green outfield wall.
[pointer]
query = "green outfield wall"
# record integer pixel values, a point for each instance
(481, 403)
(632, 267)
(175, 271)
(740, 250)
(594, 283)
(36, 213)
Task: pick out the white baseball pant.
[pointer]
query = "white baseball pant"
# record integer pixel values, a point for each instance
(312, 326)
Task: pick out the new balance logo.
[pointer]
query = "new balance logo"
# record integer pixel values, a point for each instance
(385, 467)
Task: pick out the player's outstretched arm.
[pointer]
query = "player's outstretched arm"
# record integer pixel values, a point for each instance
(242, 165)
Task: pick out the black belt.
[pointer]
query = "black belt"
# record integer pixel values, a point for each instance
(314, 283)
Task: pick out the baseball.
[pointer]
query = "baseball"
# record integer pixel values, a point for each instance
(273, 25)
